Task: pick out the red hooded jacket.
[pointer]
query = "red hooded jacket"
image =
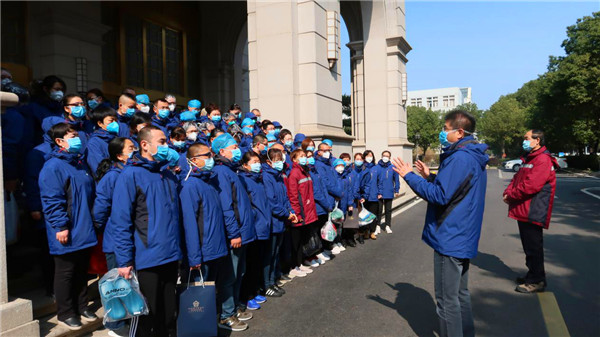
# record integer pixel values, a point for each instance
(531, 191)
(300, 192)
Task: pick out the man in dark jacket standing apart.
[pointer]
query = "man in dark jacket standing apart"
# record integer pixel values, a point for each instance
(530, 196)
(456, 199)
(145, 212)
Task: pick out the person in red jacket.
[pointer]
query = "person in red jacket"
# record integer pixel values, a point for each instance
(300, 192)
(530, 196)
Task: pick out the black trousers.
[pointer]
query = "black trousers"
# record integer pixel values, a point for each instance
(70, 286)
(44, 258)
(300, 236)
(253, 278)
(157, 284)
(533, 244)
(373, 207)
(387, 203)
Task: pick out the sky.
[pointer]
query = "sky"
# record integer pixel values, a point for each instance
(492, 47)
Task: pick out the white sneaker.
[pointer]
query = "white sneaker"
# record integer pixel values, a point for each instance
(388, 230)
(341, 247)
(312, 263)
(296, 272)
(377, 230)
(336, 250)
(323, 257)
(319, 261)
(305, 269)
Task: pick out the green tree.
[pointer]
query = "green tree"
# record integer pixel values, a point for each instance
(347, 112)
(503, 125)
(472, 109)
(423, 126)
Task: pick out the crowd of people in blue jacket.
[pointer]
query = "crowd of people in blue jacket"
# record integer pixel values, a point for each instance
(166, 189)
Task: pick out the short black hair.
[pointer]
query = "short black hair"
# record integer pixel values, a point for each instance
(248, 156)
(369, 152)
(460, 119)
(538, 134)
(96, 92)
(284, 133)
(258, 139)
(177, 133)
(275, 154)
(137, 119)
(145, 133)
(101, 112)
(195, 149)
(60, 130)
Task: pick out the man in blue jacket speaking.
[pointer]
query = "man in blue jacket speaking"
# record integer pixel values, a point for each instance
(456, 199)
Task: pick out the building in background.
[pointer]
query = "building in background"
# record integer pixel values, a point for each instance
(443, 99)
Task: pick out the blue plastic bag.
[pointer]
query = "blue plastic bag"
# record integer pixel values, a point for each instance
(121, 298)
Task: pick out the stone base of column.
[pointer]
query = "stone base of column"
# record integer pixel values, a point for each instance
(342, 142)
(16, 319)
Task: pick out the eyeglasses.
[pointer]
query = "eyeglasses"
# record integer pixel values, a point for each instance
(207, 154)
(76, 104)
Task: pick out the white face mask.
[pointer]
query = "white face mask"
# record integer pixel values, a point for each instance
(172, 107)
(339, 169)
(385, 159)
(192, 136)
(369, 159)
(145, 109)
(326, 155)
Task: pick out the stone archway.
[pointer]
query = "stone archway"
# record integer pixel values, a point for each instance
(241, 72)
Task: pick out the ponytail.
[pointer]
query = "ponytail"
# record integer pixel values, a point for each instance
(103, 168)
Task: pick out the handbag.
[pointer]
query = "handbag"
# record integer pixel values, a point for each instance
(197, 309)
(313, 246)
(97, 264)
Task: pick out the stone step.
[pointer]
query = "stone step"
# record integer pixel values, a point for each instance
(49, 324)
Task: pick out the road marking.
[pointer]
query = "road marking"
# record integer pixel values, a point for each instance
(555, 323)
(403, 209)
(500, 174)
(587, 191)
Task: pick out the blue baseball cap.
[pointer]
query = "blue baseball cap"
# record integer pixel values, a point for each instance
(251, 115)
(300, 137)
(276, 123)
(142, 99)
(194, 103)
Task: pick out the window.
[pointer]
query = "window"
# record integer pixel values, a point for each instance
(432, 102)
(13, 32)
(153, 56)
(419, 102)
(451, 101)
(110, 71)
(445, 101)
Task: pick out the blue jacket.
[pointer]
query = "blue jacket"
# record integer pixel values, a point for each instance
(355, 176)
(103, 206)
(323, 200)
(327, 174)
(237, 208)
(34, 114)
(145, 212)
(161, 124)
(346, 199)
(203, 220)
(13, 124)
(97, 148)
(67, 194)
(253, 183)
(370, 183)
(456, 199)
(388, 180)
(278, 198)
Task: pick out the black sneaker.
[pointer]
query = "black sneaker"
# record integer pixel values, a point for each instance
(520, 280)
(361, 240)
(351, 243)
(278, 288)
(71, 323)
(272, 292)
(88, 316)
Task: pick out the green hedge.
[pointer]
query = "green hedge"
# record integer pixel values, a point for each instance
(584, 162)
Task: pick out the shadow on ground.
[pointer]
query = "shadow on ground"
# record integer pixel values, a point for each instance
(415, 305)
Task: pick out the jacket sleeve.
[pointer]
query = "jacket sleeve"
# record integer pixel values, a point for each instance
(54, 198)
(277, 209)
(532, 183)
(329, 181)
(319, 192)
(103, 201)
(190, 202)
(121, 215)
(225, 195)
(35, 163)
(440, 191)
(380, 180)
(365, 185)
(396, 182)
(293, 193)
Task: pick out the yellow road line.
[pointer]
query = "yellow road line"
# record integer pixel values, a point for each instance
(555, 323)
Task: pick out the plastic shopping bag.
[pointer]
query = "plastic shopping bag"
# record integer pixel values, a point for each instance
(197, 309)
(337, 215)
(121, 298)
(11, 218)
(365, 217)
(328, 231)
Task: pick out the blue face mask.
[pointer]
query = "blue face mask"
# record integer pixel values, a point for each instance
(74, 144)
(113, 127)
(162, 152)
(310, 148)
(289, 143)
(236, 155)
(278, 165)
(302, 161)
(255, 167)
(231, 123)
(358, 163)
(277, 132)
(311, 161)
(179, 144)
(57, 95)
(78, 111)
(172, 157)
(247, 131)
(527, 146)
(130, 155)
(130, 112)
(164, 113)
(93, 104)
(271, 132)
(444, 138)
(263, 151)
(216, 118)
(208, 164)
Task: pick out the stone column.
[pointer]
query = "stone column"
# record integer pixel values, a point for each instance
(16, 315)
(358, 96)
(291, 80)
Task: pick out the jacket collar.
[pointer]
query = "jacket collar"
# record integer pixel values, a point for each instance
(60, 153)
(220, 160)
(152, 166)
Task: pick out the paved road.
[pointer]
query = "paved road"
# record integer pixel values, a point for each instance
(385, 288)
